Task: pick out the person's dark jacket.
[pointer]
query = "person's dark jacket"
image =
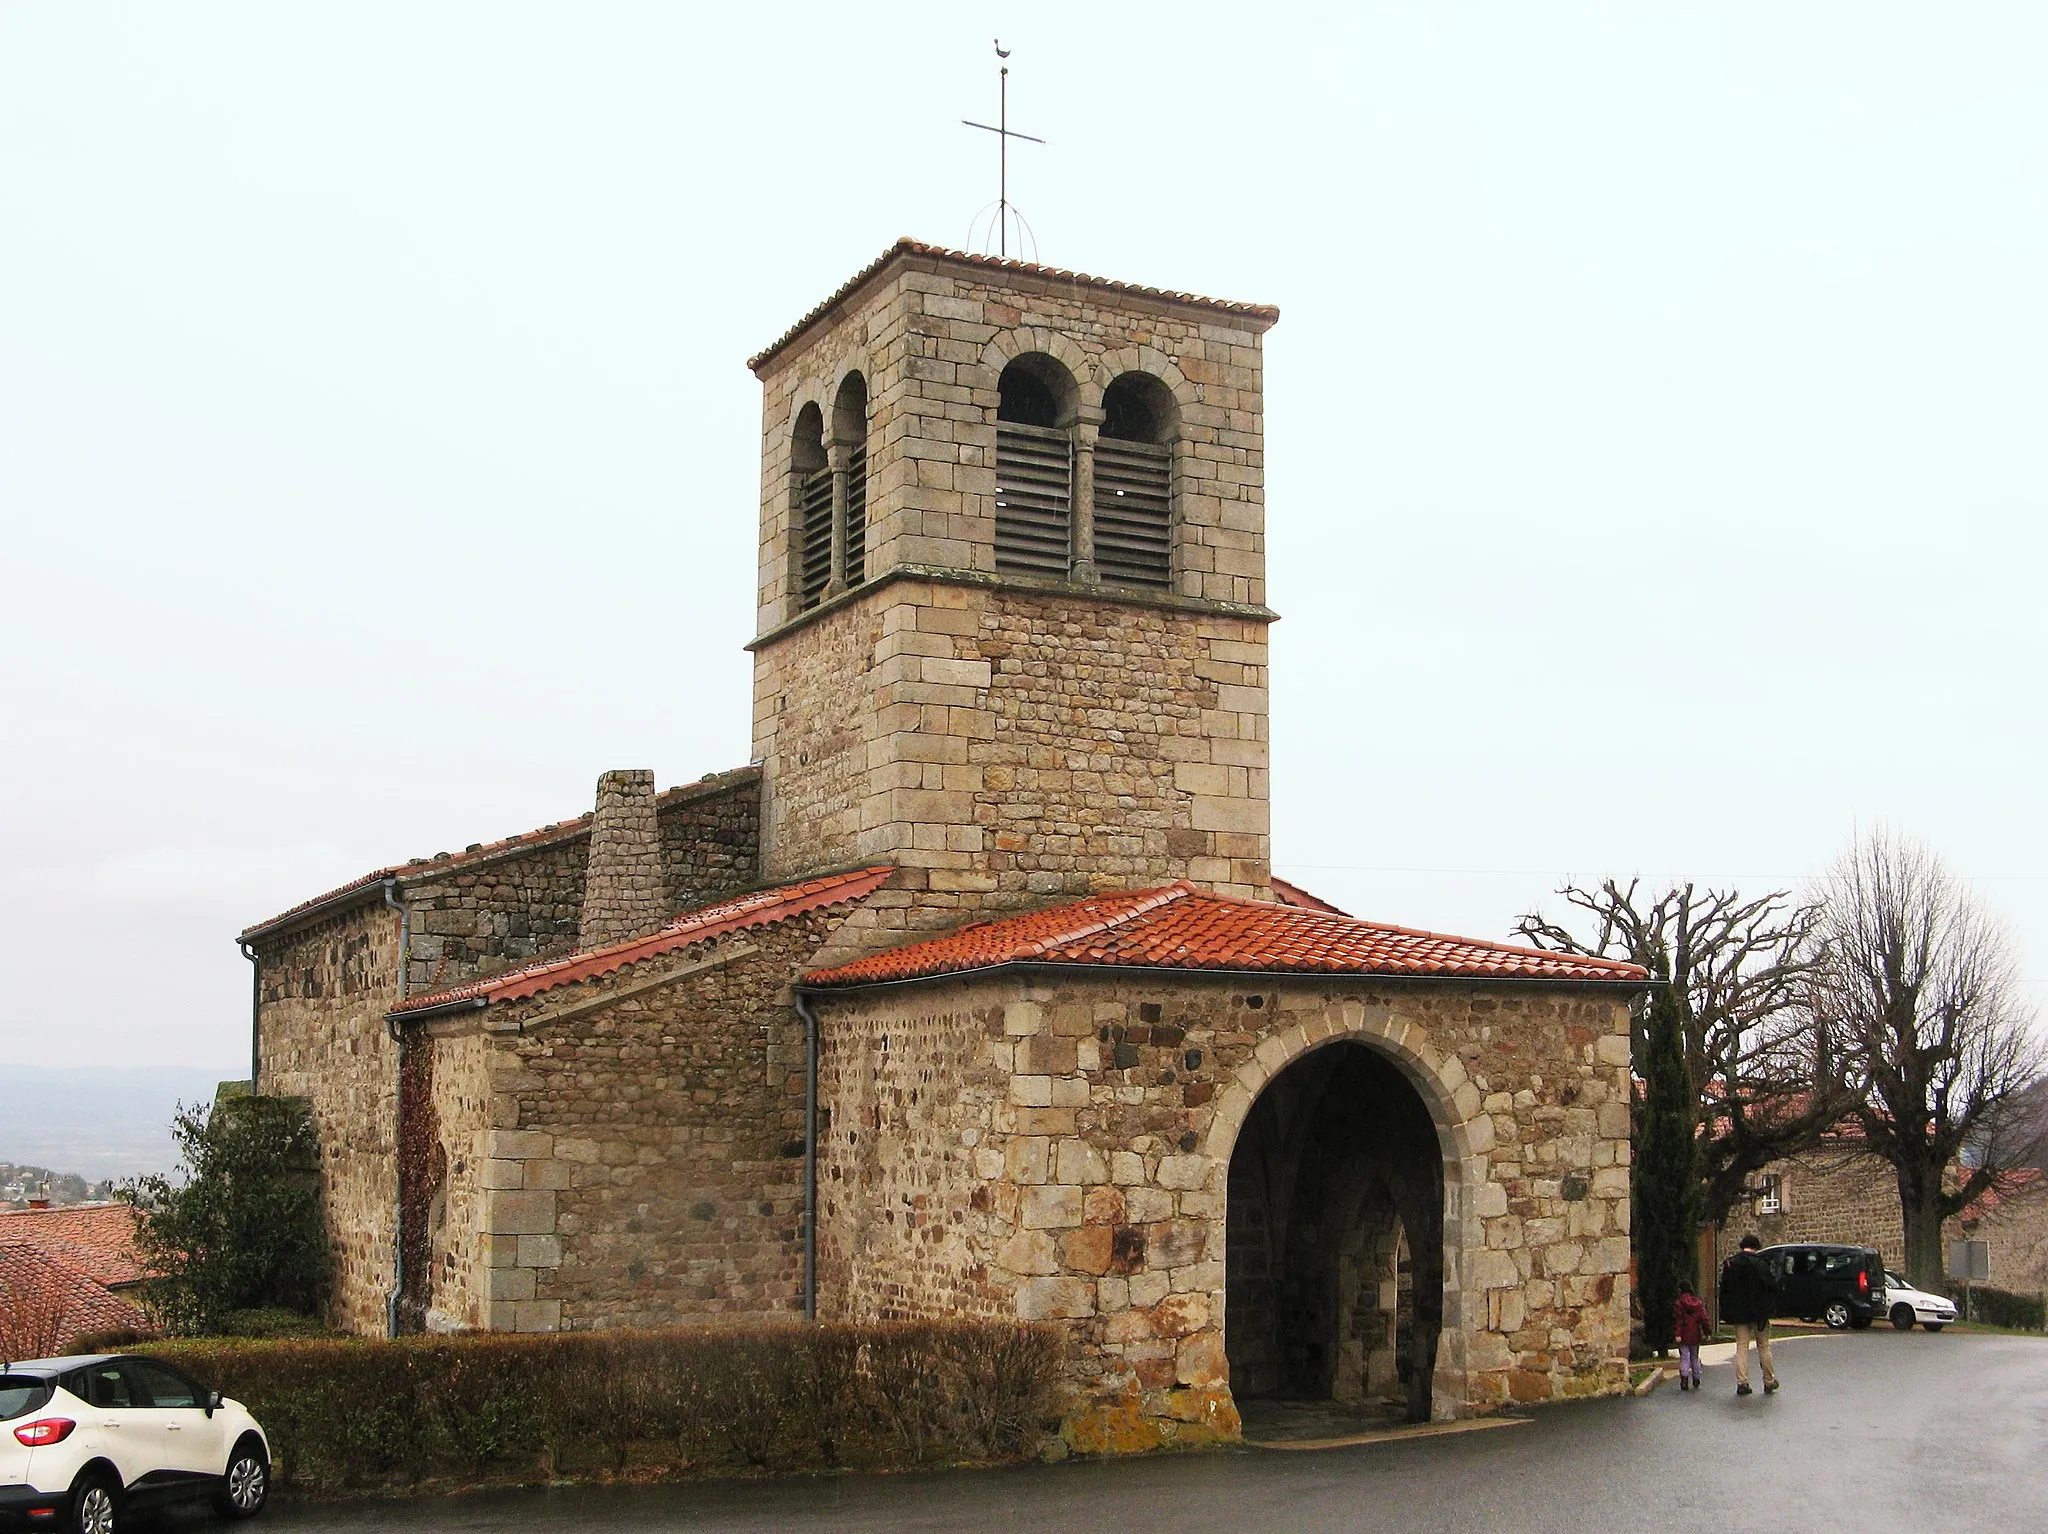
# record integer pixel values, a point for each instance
(1749, 1290)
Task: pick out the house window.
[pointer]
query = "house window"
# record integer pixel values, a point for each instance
(1770, 1194)
(1134, 483)
(1035, 468)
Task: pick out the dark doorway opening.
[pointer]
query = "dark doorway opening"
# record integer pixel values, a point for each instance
(1334, 1284)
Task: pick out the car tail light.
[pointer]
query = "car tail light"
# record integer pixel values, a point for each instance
(1862, 1282)
(45, 1431)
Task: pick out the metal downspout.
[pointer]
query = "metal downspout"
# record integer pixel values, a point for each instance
(397, 1115)
(255, 1015)
(803, 1010)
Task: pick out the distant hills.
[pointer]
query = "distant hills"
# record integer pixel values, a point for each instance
(96, 1122)
(19, 1183)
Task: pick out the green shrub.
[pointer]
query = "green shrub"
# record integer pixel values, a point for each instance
(346, 1415)
(272, 1323)
(243, 1231)
(2001, 1307)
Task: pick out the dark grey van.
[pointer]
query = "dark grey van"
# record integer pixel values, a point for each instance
(1821, 1281)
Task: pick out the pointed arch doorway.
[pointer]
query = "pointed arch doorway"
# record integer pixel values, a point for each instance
(1334, 1255)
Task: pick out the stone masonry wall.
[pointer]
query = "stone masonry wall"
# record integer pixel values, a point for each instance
(473, 917)
(326, 985)
(1136, 723)
(624, 896)
(931, 338)
(1843, 1194)
(1006, 747)
(457, 1290)
(2017, 1232)
(1848, 1195)
(639, 1159)
(1061, 1151)
(711, 838)
(324, 991)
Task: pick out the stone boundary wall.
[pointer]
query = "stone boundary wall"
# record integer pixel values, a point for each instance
(1060, 1151)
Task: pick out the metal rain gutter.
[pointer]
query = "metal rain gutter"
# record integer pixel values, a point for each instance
(404, 911)
(803, 1010)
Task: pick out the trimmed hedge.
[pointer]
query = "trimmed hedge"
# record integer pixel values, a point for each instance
(2001, 1307)
(347, 1415)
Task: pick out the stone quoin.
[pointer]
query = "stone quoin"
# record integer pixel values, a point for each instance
(1004, 843)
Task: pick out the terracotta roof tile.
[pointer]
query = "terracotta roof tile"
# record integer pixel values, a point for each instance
(2009, 1185)
(440, 863)
(97, 1239)
(1181, 927)
(1265, 314)
(1287, 892)
(762, 908)
(46, 1304)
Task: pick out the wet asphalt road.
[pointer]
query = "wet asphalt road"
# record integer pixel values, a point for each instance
(1874, 1432)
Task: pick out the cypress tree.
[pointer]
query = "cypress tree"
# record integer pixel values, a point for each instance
(1665, 1213)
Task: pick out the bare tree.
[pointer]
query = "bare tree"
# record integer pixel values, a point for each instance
(1928, 1031)
(1743, 974)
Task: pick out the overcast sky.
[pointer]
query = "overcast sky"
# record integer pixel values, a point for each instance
(1655, 425)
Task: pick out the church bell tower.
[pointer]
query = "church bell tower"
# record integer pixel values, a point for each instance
(1011, 632)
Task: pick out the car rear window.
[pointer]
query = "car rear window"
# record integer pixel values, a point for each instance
(20, 1395)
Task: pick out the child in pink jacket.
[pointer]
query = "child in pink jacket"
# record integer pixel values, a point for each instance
(1689, 1325)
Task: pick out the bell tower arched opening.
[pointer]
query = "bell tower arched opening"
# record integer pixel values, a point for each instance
(1334, 1265)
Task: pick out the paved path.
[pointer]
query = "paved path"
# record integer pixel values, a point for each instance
(1873, 1431)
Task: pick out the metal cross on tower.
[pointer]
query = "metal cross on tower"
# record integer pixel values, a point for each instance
(1004, 133)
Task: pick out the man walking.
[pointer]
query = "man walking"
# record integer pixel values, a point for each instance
(1749, 1293)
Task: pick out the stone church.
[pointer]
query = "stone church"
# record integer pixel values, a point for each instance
(973, 992)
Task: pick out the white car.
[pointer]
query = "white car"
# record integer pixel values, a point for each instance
(1907, 1305)
(85, 1440)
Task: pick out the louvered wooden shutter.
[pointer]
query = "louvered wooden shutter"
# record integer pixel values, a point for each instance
(857, 514)
(1133, 513)
(1034, 496)
(815, 506)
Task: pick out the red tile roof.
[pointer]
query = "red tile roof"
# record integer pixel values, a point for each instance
(443, 862)
(1287, 892)
(1181, 927)
(97, 1239)
(2009, 1185)
(762, 908)
(1263, 315)
(46, 1304)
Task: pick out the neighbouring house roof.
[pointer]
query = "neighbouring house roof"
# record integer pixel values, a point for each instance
(762, 908)
(441, 863)
(1287, 892)
(1182, 927)
(47, 1303)
(2010, 1185)
(96, 1239)
(1262, 315)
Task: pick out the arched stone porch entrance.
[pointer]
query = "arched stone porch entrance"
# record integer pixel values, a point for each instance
(1336, 1177)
